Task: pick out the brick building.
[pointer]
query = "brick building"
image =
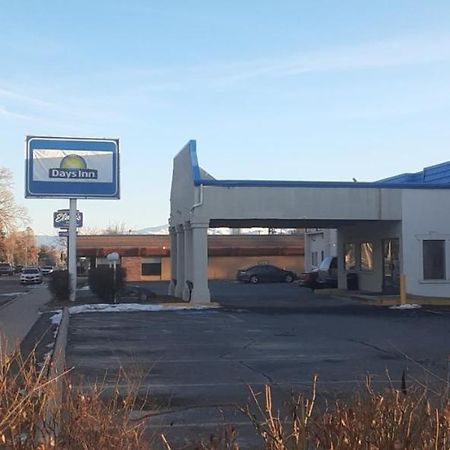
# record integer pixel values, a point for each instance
(147, 257)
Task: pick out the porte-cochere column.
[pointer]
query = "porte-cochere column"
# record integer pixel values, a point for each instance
(188, 260)
(180, 262)
(199, 271)
(173, 260)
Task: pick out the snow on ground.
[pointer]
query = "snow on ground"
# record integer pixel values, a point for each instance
(406, 306)
(132, 307)
(10, 294)
(84, 288)
(56, 318)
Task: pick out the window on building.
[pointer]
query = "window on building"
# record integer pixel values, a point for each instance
(366, 249)
(349, 256)
(151, 266)
(314, 260)
(322, 255)
(434, 260)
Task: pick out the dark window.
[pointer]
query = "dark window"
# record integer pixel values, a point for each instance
(153, 268)
(434, 260)
(333, 264)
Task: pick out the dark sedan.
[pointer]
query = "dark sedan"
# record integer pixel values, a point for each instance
(265, 273)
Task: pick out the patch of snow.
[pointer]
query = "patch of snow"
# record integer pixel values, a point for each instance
(133, 307)
(56, 318)
(84, 288)
(12, 293)
(406, 306)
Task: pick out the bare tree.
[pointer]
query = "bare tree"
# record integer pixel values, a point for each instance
(117, 228)
(11, 214)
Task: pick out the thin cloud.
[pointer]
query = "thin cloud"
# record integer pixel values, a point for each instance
(14, 95)
(5, 112)
(370, 55)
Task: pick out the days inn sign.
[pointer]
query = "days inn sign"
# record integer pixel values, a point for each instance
(72, 167)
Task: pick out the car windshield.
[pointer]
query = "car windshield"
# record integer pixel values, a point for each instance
(48, 267)
(30, 271)
(325, 264)
(4, 265)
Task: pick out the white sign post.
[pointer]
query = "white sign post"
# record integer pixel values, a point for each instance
(61, 167)
(72, 266)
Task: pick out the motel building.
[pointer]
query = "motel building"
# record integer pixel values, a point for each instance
(382, 229)
(147, 257)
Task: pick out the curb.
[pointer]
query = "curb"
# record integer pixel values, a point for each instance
(374, 300)
(59, 352)
(57, 368)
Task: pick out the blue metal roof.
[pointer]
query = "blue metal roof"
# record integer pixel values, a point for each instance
(433, 177)
(438, 174)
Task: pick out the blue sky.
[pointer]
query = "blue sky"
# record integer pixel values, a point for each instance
(301, 90)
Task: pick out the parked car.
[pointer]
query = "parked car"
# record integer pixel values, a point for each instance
(265, 273)
(31, 275)
(6, 269)
(46, 270)
(325, 276)
(18, 268)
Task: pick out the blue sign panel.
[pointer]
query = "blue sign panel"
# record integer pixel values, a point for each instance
(61, 218)
(72, 167)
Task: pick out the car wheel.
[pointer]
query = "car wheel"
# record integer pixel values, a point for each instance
(289, 278)
(254, 279)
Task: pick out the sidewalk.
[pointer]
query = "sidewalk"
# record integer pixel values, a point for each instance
(17, 318)
(383, 300)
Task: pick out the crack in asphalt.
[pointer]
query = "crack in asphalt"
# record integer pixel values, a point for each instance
(244, 347)
(373, 346)
(259, 372)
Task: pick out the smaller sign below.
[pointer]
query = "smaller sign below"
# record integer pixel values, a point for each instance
(63, 234)
(62, 216)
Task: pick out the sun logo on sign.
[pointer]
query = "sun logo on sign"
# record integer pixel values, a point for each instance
(73, 167)
(73, 162)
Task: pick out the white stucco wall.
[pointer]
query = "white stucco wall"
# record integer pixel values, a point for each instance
(300, 202)
(319, 241)
(366, 232)
(426, 215)
(183, 192)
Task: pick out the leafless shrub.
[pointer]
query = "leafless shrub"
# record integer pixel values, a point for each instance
(83, 420)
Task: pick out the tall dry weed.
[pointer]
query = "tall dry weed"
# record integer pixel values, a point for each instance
(30, 419)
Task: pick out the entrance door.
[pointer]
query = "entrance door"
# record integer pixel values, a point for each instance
(391, 266)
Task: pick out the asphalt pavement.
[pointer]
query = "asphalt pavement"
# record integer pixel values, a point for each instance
(19, 310)
(197, 366)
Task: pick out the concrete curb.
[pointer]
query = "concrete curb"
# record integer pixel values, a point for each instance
(374, 300)
(59, 352)
(57, 368)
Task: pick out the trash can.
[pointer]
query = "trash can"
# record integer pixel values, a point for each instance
(352, 281)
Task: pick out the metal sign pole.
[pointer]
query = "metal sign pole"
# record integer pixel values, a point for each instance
(73, 247)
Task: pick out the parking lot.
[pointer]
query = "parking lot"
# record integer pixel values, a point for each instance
(197, 365)
(10, 288)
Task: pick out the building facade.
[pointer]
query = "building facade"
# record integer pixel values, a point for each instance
(385, 228)
(147, 257)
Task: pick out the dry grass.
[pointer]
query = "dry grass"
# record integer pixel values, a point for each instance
(389, 420)
(31, 419)
(393, 419)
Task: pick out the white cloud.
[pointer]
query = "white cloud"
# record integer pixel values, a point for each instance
(4, 112)
(405, 51)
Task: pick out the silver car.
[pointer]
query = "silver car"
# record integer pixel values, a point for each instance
(31, 275)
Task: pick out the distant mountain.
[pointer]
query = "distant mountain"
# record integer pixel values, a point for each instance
(164, 229)
(160, 229)
(52, 241)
